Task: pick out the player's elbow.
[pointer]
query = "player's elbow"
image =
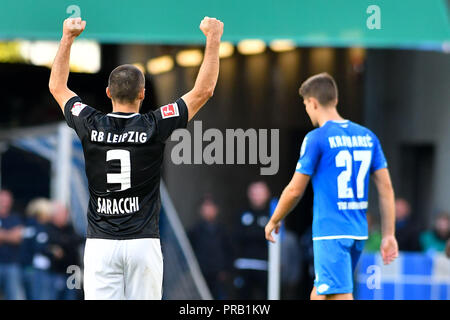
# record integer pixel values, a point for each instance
(294, 192)
(57, 90)
(206, 94)
(209, 93)
(53, 87)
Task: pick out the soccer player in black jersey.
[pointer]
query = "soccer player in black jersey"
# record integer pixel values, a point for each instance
(123, 152)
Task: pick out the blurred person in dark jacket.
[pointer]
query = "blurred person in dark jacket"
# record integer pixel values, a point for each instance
(11, 230)
(64, 245)
(406, 231)
(37, 244)
(211, 245)
(251, 247)
(28, 245)
(434, 240)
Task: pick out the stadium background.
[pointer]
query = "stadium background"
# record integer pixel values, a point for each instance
(394, 80)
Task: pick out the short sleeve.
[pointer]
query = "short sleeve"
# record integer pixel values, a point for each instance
(77, 113)
(378, 158)
(171, 117)
(309, 154)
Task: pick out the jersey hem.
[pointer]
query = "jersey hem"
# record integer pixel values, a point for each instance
(341, 237)
(108, 237)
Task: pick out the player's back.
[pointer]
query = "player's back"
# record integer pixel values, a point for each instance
(123, 158)
(339, 157)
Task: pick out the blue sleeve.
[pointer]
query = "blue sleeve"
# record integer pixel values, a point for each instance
(378, 158)
(309, 154)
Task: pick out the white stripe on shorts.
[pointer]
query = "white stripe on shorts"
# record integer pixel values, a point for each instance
(341, 237)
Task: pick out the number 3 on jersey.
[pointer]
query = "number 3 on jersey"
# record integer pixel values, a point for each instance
(124, 177)
(345, 159)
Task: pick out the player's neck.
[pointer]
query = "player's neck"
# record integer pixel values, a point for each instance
(329, 115)
(125, 107)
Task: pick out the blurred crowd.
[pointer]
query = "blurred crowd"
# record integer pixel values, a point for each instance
(36, 249)
(234, 261)
(410, 234)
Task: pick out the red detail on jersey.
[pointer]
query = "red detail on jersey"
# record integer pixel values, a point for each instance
(170, 110)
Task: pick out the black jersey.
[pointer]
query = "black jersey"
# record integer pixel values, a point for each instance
(123, 155)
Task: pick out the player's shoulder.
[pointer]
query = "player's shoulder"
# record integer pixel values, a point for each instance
(312, 138)
(172, 110)
(77, 107)
(318, 134)
(363, 130)
(315, 133)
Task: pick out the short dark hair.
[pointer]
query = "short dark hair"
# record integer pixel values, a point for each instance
(320, 86)
(125, 82)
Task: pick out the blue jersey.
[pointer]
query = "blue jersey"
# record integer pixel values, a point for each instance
(339, 157)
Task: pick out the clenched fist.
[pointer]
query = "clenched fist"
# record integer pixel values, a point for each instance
(73, 27)
(211, 27)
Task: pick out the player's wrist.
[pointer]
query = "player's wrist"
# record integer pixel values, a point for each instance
(68, 38)
(213, 37)
(387, 236)
(273, 221)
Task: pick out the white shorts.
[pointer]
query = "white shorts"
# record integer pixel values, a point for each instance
(123, 269)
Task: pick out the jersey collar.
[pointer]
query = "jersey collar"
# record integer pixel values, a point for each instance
(122, 115)
(336, 121)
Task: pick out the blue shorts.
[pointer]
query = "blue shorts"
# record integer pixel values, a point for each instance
(335, 261)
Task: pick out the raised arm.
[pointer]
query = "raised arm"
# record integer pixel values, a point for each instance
(389, 247)
(290, 197)
(59, 75)
(209, 70)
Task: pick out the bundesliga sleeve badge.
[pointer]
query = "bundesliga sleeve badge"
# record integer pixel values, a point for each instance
(169, 111)
(77, 108)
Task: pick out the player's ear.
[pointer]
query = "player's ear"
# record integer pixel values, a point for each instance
(141, 94)
(315, 103)
(108, 93)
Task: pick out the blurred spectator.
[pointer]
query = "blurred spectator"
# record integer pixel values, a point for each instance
(27, 249)
(291, 264)
(64, 244)
(10, 239)
(447, 249)
(406, 231)
(211, 245)
(373, 243)
(41, 284)
(251, 246)
(435, 239)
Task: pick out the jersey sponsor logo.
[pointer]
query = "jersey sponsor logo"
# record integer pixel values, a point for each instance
(322, 288)
(169, 111)
(77, 108)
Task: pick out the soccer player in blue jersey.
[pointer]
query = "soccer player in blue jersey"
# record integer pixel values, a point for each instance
(338, 156)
